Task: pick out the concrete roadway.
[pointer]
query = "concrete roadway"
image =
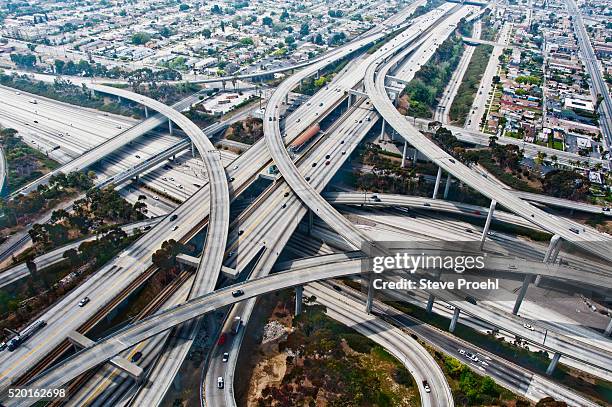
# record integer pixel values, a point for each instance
(135, 259)
(208, 270)
(595, 243)
(289, 170)
(9, 276)
(113, 144)
(271, 225)
(480, 105)
(507, 374)
(303, 273)
(256, 157)
(408, 201)
(276, 145)
(448, 96)
(421, 365)
(267, 259)
(598, 84)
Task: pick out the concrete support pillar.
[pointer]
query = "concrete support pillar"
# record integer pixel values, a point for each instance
(416, 157)
(553, 364)
(192, 149)
(453, 323)
(119, 99)
(447, 186)
(299, 293)
(430, 303)
(521, 294)
(382, 130)
(286, 98)
(437, 186)
(170, 127)
(404, 154)
(608, 330)
(550, 256)
(317, 74)
(223, 85)
(370, 298)
(487, 223)
(146, 112)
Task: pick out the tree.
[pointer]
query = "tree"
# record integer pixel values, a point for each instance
(183, 7)
(24, 60)
(165, 32)
(267, 21)
(32, 268)
(73, 256)
(566, 184)
(140, 38)
(216, 10)
(304, 29)
(59, 66)
(206, 33)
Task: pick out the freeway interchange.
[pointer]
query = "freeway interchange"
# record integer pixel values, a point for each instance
(261, 232)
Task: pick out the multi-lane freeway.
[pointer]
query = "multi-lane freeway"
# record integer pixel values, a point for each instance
(597, 82)
(264, 228)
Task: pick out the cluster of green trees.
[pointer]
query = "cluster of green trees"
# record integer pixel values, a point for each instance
(310, 85)
(477, 390)
(165, 257)
(25, 299)
(469, 86)
(247, 131)
(65, 91)
(326, 369)
(430, 81)
(140, 38)
(387, 175)
(200, 117)
(89, 68)
(165, 92)
(566, 184)
(24, 162)
(335, 13)
(99, 210)
(27, 61)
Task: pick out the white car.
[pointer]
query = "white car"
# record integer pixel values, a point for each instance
(175, 228)
(220, 382)
(225, 357)
(461, 352)
(83, 302)
(527, 326)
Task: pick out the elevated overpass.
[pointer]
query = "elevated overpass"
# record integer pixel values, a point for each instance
(303, 272)
(376, 74)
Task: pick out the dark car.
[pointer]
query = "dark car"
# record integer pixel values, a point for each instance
(136, 357)
(173, 217)
(237, 293)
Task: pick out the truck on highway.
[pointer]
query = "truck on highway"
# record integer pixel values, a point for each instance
(236, 325)
(24, 335)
